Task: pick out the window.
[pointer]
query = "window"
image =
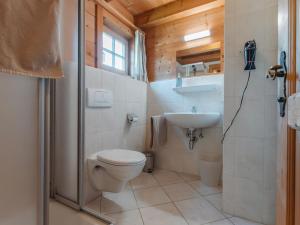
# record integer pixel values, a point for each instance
(115, 52)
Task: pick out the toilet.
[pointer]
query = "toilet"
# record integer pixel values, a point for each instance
(110, 170)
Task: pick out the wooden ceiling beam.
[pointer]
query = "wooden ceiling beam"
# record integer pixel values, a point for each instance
(175, 10)
(119, 11)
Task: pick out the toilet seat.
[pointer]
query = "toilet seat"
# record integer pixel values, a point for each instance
(121, 157)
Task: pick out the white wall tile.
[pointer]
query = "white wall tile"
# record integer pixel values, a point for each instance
(250, 147)
(249, 158)
(268, 209)
(229, 193)
(229, 156)
(174, 155)
(271, 105)
(120, 88)
(245, 6)
(270, 161)
(93, 78)
(249, 199)
(107, 128)
(250, 121)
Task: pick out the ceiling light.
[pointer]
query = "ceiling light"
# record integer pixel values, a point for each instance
(198, 35)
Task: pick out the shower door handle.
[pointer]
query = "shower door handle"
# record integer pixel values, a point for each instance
(280, 72)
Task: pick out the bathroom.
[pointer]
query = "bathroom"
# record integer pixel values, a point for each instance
(165, 115)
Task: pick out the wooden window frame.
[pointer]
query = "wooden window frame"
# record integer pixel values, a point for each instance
(123, 40)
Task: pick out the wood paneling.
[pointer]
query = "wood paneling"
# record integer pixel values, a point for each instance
(141, 6)
(96, 16)
(162, 42)
(175, 10)
(114, 24)
(90, 35)
(119, 11)
(99, 37)
(297, 159)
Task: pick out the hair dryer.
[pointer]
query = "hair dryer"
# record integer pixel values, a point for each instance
(249, 54)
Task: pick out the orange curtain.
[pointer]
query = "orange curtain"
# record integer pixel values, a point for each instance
(29, 38)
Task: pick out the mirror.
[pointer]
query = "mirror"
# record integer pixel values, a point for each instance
(202, 60)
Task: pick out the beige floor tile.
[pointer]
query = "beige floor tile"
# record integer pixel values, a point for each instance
(162, 215)
(204, 189)
(165, 177)
(94, 205)
(216, 201)
(63, 215)
(180, 191)
(132, 217)
(221, 222)
(151, 196)
(128, 187)
(144, 180)
(198, 211)
(240, 221)
(117, 202)
(189, 177)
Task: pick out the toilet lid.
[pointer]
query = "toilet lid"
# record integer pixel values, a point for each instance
(121, 157)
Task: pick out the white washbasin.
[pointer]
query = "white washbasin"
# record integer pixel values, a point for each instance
(193, 120)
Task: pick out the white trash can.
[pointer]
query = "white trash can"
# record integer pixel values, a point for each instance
(211, 170)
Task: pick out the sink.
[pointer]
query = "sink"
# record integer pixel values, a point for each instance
(191, 120)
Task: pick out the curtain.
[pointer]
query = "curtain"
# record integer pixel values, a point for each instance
(140, 67)
(29, 38)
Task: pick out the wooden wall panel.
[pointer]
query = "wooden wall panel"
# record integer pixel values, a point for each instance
(139, 6)
(163, 41)
(95, 18)
(90, 35)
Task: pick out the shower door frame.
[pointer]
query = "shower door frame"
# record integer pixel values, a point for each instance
(80, 204)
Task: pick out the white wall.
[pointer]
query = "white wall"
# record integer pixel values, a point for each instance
(250, 146)
(107, 128)
(19, 150)
(174, 155)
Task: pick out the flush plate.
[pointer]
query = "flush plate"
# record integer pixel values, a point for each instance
(99, 98)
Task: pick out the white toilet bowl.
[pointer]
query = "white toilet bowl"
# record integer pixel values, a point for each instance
(110, 170)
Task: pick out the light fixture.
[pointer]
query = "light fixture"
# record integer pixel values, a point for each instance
(198, 35)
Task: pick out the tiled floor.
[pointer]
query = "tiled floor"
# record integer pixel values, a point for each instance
(62, 215)
(166, 198)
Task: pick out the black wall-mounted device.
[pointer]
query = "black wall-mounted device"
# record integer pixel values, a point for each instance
(249, 55)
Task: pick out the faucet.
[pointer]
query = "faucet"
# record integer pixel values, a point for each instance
(194, 109)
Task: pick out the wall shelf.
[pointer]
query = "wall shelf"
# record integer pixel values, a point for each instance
(196, 88)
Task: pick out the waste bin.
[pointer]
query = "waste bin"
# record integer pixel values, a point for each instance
(149, 165)
(211, 170)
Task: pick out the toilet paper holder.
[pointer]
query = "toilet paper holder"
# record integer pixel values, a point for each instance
(132, 118)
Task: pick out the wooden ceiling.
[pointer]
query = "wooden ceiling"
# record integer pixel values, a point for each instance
(140, 6)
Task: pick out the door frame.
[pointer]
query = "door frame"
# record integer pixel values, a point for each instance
(285, 213)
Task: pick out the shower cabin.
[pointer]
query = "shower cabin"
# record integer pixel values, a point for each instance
(79, 130)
